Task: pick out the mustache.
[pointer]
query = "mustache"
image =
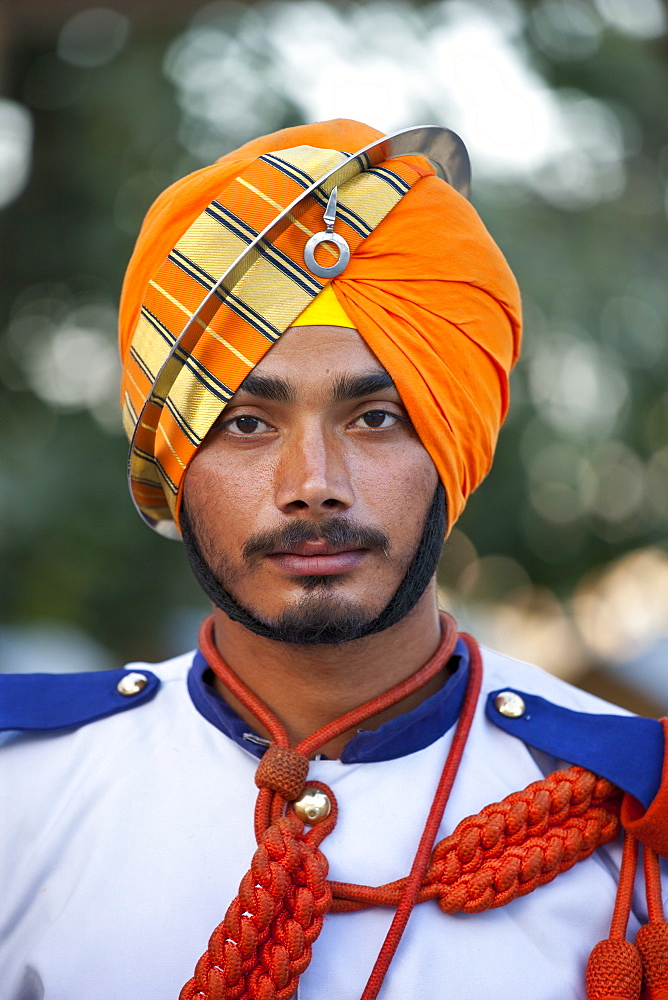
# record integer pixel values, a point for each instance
(336, 531)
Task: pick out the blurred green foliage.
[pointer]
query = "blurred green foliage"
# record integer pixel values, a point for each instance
(581, 473)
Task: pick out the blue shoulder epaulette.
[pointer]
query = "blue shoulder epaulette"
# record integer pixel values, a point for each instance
(50, 702)
(625, 749)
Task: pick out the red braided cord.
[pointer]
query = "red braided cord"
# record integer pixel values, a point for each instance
(505, 851)
(509, 848)
(652, 944)
(652, 938)
(261, 947)
(264, 943)
(207, 645)
(270, 806)
(423, 853)
(614, 969)
(627, 874)
(312, 743)
(618, 969)
(653, 885)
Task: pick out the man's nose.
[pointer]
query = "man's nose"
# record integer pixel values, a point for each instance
(312, 473)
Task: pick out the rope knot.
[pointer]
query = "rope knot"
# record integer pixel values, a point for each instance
(614, 971)
(652, 943)
(282, 770)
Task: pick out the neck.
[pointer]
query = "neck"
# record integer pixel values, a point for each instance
(307, 687)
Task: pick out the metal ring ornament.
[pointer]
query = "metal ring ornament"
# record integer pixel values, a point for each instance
(333, 269)
(443, 147)
(329, 236)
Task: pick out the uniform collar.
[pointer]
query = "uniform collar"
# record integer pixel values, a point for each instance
(398, 737)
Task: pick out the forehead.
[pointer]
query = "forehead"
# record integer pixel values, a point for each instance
(318, 351)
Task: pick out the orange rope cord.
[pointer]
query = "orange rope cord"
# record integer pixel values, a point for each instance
(653, 885)
(627, 874)
(652, 938)
(333, 729)
(614, 969)
(422, 856)
(509, 848)
(270, 805)
(264, 942)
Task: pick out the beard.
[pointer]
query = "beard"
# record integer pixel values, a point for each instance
(320, 616)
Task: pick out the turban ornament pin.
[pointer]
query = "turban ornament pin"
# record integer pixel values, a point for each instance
(328, 236)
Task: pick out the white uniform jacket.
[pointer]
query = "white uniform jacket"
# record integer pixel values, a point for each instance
(127, 824)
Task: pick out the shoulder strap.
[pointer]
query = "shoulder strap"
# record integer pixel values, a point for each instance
(625, 749)
(52, 702)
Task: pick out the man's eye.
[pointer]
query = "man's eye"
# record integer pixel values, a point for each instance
(377, 418)
(245, 425)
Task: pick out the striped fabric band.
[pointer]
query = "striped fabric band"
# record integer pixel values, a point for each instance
(219, 350)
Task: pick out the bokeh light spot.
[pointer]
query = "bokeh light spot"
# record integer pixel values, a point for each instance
(93, 37)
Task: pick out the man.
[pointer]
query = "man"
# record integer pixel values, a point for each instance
(316, 335)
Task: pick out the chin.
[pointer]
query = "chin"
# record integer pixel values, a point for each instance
(322, 583)
(320, 618)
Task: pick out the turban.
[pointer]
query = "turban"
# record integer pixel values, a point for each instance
(426, 287)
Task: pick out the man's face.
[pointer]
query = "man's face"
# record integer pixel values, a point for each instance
(309, 496)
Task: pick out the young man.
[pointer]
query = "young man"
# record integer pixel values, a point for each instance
(315, 349)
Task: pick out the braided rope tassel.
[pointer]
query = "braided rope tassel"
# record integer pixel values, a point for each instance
(264, 942)
(614, 969)
(618, 969)
(652, 943)
(509, 848)
(652, 938)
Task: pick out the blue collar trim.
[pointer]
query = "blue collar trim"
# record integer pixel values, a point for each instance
(399, 737)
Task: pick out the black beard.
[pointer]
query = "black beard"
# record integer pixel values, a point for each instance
(325, 618)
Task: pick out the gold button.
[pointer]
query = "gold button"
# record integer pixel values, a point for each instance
(510, 704)
(131, 684)
(312, 806)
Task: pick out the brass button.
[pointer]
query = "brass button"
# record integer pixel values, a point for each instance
(131, 684)
(510, 704)
(312, 806)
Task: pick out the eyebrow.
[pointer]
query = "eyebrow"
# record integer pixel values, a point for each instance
(279, 390)
(351, 387)
(346, 388)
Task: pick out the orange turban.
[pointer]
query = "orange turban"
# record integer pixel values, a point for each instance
(426, 287)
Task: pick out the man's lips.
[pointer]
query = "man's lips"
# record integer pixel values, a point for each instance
(316, 558)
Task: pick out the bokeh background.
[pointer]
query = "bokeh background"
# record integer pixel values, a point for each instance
(561, 556)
